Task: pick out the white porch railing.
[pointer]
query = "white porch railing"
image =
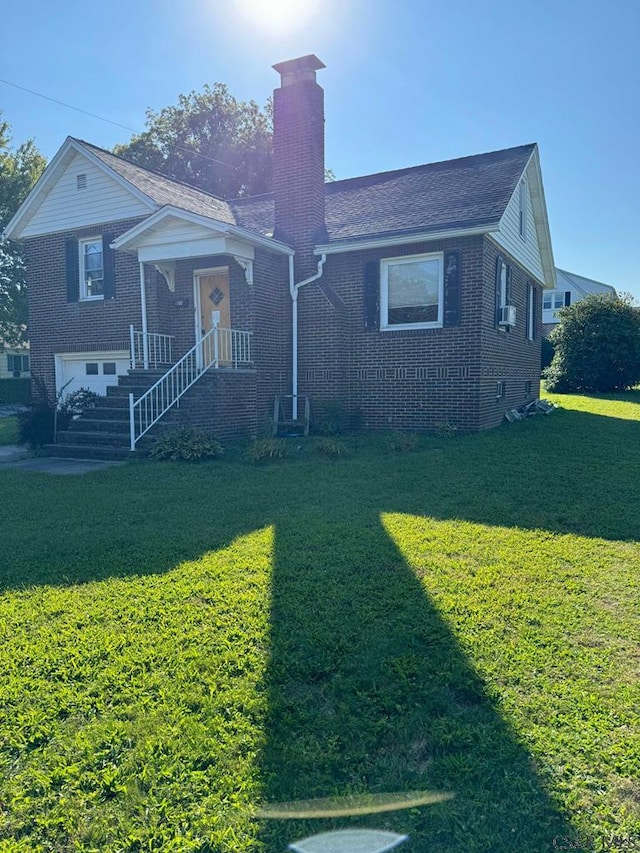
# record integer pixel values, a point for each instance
(150, 349)
(218, 348)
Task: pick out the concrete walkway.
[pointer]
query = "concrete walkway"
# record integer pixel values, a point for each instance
(14, 456)
(8, 410)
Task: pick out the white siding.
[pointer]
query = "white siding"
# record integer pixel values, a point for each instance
(5, 373)
(65, 207)
(527, 252)
(174, 231)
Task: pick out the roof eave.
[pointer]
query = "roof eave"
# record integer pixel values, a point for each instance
(401, 239)
(542, 220)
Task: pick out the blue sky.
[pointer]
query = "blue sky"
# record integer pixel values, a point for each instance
(407, 82)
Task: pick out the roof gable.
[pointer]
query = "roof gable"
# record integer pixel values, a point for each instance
(585, 286)
(533, 251)
(56, 203)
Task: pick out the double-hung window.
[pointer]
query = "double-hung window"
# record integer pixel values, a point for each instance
(91, 269)
(411, 293)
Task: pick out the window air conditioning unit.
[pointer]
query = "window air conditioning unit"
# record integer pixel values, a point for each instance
(508, 315)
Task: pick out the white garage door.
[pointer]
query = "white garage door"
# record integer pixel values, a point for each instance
(92, 370)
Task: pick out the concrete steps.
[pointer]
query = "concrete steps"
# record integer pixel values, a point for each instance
(103, 432)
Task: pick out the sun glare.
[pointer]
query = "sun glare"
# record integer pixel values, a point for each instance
(278, 16)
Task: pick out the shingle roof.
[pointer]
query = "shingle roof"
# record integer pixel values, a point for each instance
(163, 190)
(469, 192)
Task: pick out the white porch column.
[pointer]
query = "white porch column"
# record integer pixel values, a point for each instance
(143, 305)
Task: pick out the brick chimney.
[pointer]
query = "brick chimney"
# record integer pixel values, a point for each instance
(298, 160)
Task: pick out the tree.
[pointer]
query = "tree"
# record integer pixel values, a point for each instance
(19, 170)
(209, 140)
(597, 346)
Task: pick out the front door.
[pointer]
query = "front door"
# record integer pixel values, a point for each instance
(213, 300)
(212, 309)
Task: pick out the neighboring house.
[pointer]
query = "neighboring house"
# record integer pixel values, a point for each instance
(14, 361)
(569, 288)
(410, 297)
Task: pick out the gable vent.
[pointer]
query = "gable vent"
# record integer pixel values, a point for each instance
(81, 182)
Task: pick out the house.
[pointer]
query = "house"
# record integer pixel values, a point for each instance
(14, 361)
(409, 297)
(570, 288)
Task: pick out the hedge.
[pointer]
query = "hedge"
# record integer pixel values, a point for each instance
(15, 391)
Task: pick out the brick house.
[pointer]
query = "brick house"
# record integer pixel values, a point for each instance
(411, 297)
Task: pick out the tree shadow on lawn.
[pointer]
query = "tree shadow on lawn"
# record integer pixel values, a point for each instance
(369, 691)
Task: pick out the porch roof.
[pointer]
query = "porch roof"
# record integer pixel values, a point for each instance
(172, 233)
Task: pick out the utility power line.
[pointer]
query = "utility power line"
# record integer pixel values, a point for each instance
(109, 121)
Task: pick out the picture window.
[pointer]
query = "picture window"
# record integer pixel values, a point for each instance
(412, 292)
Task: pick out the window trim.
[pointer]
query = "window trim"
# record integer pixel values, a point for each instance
(11, 363)
(83, 295)
(385, 264)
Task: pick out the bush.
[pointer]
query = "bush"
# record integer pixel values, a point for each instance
(330, 417)
(546, 354)
(265, 449)
(36, 425)
(404, 442)
(186, 444)
(15, 391)
(332, 447)
(75, 404)
(597, 347)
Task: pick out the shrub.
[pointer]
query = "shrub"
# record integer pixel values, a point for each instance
(186, 444)
(75, 404)
(546, 354)
(404, 442)
(330, 417)
(597, 347)
(332, 447)
(265, 449)
(15, 391)
(36, 425)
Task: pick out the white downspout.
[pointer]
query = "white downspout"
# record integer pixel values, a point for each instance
(293, 289)
(143, 305)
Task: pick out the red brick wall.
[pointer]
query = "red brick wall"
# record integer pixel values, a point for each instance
(416, 378)
(56, 325)
(507, 356)
(298, 171)
(221, 402)
(409, 378)
(264, 308)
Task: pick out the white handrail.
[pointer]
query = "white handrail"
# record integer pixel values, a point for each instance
(150, 349)
(218, 348)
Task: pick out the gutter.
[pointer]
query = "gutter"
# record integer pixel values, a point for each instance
(293, 290)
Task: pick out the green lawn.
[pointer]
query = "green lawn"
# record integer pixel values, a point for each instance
(180, 644)
(8, 431)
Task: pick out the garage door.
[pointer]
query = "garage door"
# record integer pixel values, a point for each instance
(92, 370)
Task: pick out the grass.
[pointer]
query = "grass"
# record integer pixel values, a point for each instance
(8, 431)
(204, 639)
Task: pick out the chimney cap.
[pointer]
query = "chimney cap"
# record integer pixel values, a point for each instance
(296, 70)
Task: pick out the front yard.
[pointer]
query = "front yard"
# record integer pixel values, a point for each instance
(181, 644)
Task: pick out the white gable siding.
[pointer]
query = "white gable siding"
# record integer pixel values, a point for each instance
(527, 252)
(65, 207)
(174, 231)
